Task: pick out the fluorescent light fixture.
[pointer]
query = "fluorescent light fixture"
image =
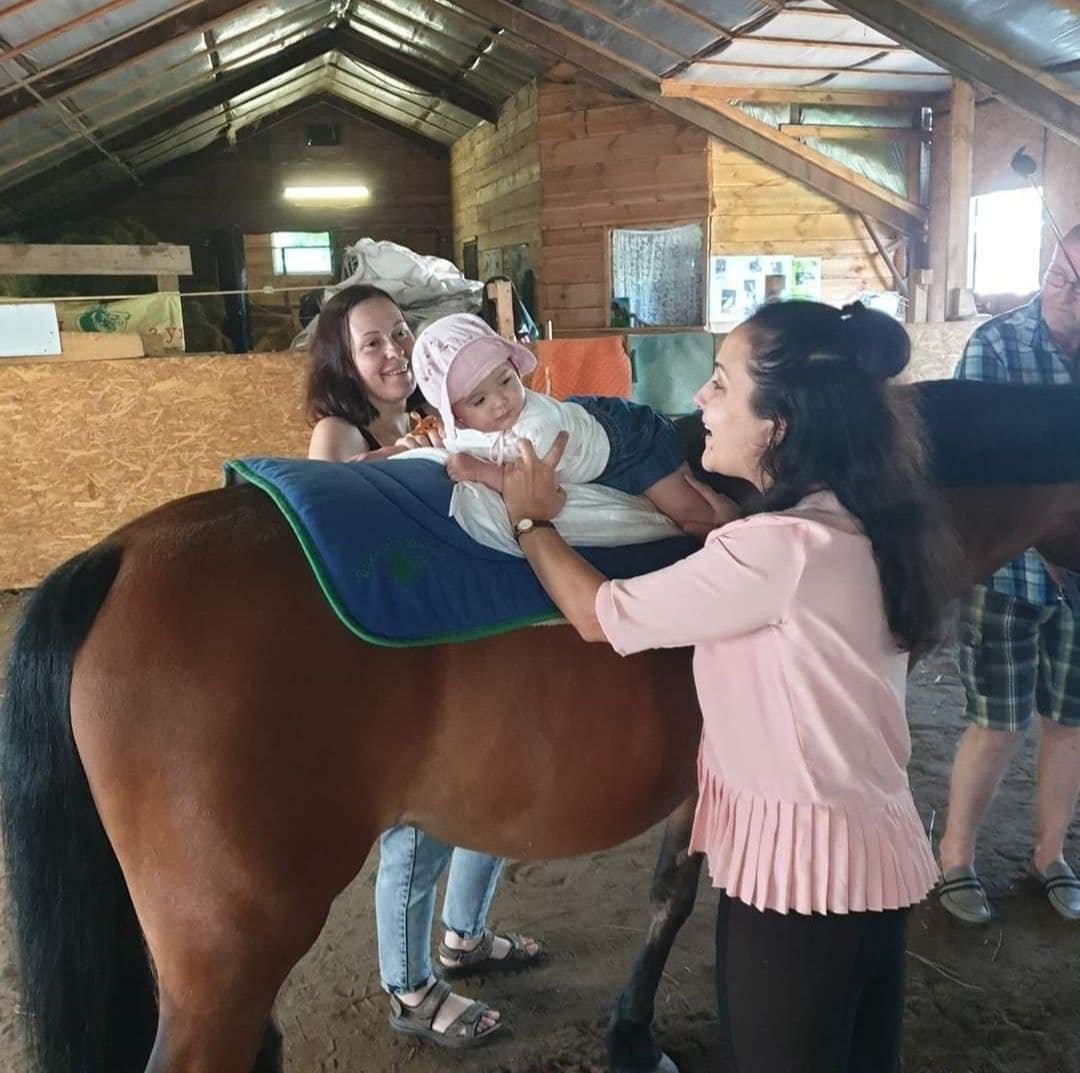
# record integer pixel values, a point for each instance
(353, 192)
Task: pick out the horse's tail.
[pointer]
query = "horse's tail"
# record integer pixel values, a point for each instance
(88, 996)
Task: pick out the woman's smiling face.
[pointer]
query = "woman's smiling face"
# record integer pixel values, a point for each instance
(382, 348)
(735, 436)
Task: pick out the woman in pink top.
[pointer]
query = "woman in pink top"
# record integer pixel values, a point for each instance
(802, 616)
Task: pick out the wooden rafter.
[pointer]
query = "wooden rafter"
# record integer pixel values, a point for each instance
(848, 98)
(821, 69)
(725, 122)
(1031, 91)
(835, 132)
(754, 39)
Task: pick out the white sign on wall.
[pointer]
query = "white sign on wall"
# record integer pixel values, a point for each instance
(28, 328)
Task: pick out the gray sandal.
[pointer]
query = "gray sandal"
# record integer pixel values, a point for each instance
(479, 959)
(462, 1032)
(963, 896)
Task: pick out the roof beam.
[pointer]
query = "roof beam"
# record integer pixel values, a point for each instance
(845, 98)
(835, 132)
(230, 85)
(397, 64)
(721, 120)
(1031, 91)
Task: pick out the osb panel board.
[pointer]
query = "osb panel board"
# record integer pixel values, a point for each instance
(936, 348)
(85, 447)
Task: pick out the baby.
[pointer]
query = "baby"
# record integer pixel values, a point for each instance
(473, 377)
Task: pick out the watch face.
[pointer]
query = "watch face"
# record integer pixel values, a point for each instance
(524, 525)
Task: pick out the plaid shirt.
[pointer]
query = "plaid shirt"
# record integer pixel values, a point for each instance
(1016, 348)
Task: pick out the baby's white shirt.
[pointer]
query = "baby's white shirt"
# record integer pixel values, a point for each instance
(541, 419)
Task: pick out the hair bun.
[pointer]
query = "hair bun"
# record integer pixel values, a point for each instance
(876, 342)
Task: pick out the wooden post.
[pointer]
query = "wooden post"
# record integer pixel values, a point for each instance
(918, 289)
(961, 134)
(168, 283)
(501, 293)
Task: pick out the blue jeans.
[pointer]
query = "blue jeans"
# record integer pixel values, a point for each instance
(410, 864)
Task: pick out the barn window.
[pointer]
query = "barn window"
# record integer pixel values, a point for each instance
(1006, 230)
(301, 253)
(656, 276)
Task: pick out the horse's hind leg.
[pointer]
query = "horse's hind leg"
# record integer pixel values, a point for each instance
(632, 1046)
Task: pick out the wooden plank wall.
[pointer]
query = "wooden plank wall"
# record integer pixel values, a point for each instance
(606, 162)
(756, 209)
(495, 181)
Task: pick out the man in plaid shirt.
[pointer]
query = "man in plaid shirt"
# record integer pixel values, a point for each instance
(1019, 643)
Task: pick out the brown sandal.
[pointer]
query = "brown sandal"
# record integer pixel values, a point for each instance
(479, 959)
(462, 1032)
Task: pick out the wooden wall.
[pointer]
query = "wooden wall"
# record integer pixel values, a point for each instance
(999, 132)
(241, 186)
(606, 162)
(756, 209)
(495, 179)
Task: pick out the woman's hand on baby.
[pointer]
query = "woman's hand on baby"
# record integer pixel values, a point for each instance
(530, 487)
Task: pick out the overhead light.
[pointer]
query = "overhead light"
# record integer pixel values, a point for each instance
(326, 193)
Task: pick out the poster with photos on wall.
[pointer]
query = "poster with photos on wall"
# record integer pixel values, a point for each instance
(739, 284)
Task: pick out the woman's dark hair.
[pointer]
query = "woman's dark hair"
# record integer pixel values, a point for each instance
(334, 387)
(820, 373)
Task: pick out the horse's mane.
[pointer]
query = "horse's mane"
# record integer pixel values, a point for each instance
(983, 433)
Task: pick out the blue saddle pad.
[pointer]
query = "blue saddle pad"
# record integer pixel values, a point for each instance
(396, 569)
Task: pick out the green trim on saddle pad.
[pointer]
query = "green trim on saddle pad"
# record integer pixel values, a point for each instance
(311, 554)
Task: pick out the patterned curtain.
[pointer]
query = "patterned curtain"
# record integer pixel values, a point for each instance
(656, 275)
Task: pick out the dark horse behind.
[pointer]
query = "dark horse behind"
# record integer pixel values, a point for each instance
(197, 758)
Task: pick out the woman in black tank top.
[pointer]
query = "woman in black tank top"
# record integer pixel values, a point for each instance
(360, 393)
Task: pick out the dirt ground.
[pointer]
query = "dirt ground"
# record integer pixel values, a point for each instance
(1005, 999)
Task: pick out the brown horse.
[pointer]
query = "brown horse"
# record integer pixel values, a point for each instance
(197, 758)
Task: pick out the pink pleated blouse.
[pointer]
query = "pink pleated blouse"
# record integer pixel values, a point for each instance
(804, 800)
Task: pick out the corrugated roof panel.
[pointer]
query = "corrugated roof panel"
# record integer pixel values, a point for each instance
(366, 74)
(122, 83)
(42, 18)
(667, 26)
(746, 50)
(1036, 32)
(596, 32)
(793, 24)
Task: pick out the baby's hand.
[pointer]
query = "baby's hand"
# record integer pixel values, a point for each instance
(460, 467)
(463, 467)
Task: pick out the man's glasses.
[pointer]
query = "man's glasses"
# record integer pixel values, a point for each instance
(1060, 282)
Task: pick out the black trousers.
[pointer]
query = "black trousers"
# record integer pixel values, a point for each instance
(810, 994)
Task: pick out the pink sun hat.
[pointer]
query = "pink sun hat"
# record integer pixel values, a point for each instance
(452, 356)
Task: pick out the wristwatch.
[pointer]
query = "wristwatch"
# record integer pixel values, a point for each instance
(527, 525)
